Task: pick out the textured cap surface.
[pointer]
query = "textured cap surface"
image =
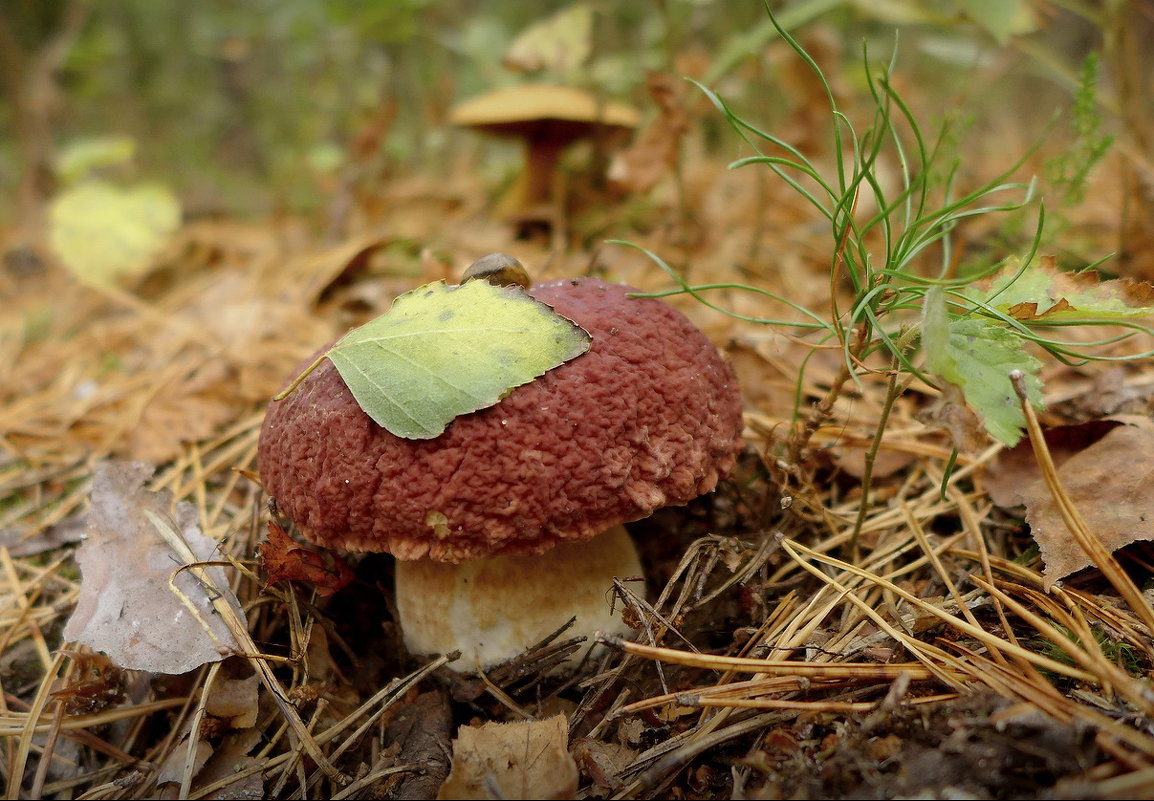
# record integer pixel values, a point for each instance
(649, 417)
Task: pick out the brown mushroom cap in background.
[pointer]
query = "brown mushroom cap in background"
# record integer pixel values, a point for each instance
(649, 417)
(538, 111)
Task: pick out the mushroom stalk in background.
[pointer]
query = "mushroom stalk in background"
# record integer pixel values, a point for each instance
(488, 519)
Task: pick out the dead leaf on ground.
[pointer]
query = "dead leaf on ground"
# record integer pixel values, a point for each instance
(285, 559)
(952, 413)
(603, 762)
(190, 404)
(1109, 483)
(126, 608)
(1016, 468)
(97, 683)
(891, 457)
(234, 700)
(655, 153)
(527, 759)
(420, 732)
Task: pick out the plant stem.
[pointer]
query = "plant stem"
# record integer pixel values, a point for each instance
(893, 390)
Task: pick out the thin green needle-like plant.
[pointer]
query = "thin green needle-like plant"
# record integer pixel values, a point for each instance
(911, 315)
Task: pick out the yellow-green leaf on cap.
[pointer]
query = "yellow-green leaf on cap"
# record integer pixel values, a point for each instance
(442, 351)
(103, 233)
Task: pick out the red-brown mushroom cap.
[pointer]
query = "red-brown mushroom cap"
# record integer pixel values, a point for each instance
(650, 416)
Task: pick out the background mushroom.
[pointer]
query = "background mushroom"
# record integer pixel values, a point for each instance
(548, 119)
(487, 520)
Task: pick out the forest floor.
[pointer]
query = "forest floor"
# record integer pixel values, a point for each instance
(940, 651)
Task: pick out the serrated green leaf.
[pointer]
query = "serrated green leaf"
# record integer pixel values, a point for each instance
(443, 351)
(977, 355)
(103, 233)
(1043, 293)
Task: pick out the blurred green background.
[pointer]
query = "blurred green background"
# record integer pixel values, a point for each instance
(247, 108)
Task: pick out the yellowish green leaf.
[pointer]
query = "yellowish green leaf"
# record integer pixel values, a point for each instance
(82, 156)
(1002, 19)
(443, 351)
(559, 43)
(1043, 293)
(103, 233)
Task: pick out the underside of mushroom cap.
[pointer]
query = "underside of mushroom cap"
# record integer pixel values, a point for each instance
(649, 417)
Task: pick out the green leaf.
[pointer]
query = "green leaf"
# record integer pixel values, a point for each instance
(1043, 293)
(443, 351)
(977, 355)
(83, 156)
(103, 233)
(559, 43)
(1002, 19)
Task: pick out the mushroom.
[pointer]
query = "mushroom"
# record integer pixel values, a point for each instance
(549, 119)
(509, 523)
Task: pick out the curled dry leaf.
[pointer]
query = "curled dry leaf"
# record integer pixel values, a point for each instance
(235, 700)
(97, 683)
(133, 605)
(285, 559)
(528, 759)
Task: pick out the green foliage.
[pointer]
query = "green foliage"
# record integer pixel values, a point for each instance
(977, 355)
(93, 153)
(1068, 172)
(1120, 652)
(443, 351)
(968, 337)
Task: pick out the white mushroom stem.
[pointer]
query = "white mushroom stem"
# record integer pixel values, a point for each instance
(491, 610)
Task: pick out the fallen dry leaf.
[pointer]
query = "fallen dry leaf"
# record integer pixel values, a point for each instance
(234, 700)
(603, 762)
(951, 412)
(96, 684)
(655, 153)
(527, 759)
(420, 732)
(1109, 482)
(1016, 468)
(127, 608)
(285, 559)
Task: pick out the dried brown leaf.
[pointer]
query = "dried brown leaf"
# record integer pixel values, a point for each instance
(127, 608)
(952, 413)
(235, 700)
(1109, 482)
(285, 559)
(655, 153)
(527, 759)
